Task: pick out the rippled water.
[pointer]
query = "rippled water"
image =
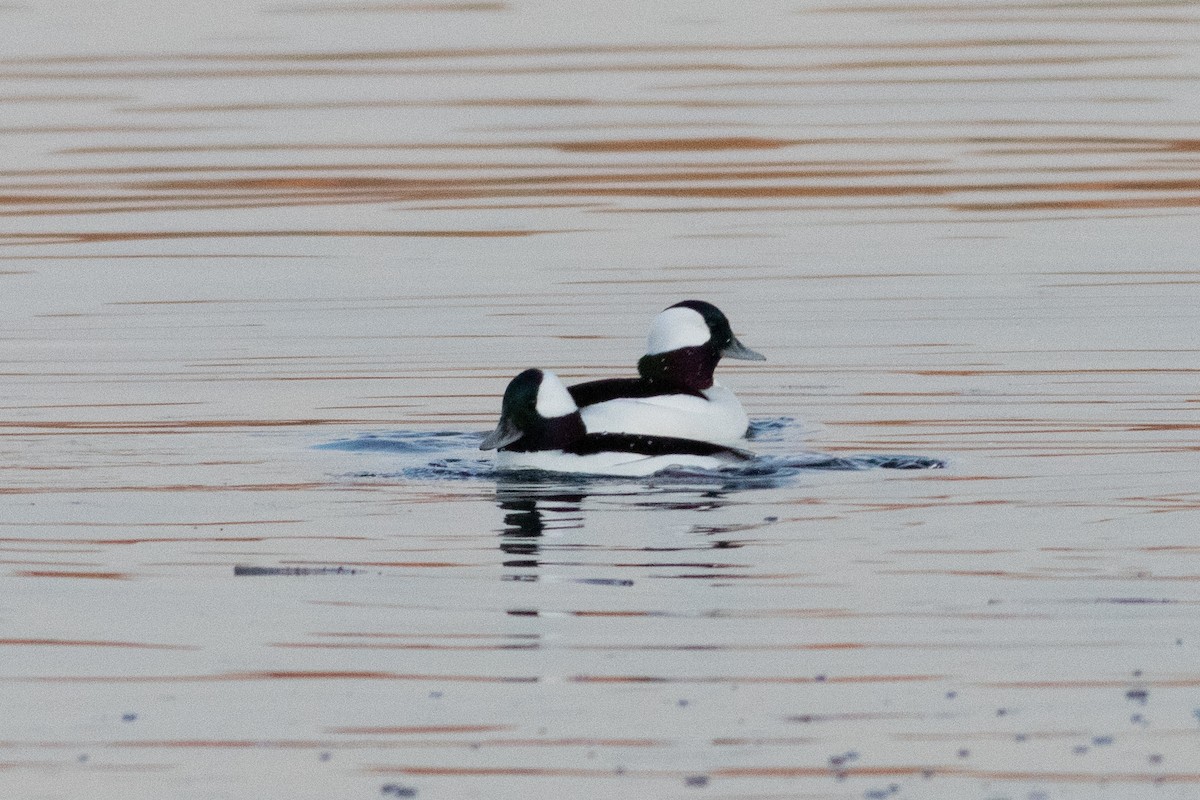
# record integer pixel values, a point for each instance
(451, 452)
(265, 271)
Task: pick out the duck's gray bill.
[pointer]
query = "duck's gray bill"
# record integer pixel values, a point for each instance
(505, 433)
(736, 349)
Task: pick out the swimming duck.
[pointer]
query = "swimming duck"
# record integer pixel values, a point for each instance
(541, 428)
(675, 394)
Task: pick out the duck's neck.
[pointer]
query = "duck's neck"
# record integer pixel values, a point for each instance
(688, 369)
(556, 433)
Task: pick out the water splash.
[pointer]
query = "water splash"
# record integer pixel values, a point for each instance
(765, 471)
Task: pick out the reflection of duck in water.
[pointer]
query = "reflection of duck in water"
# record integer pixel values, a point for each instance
(530, 512)
(546, 519)
(675, 394)
(541, 429)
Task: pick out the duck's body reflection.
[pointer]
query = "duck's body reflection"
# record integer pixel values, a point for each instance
(529, 515)
(540, 506)
(533, 513)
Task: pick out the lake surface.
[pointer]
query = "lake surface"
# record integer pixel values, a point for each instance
(236, 237)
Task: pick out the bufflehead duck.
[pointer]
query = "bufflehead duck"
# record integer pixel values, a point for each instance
(541, 428)
(675, 394)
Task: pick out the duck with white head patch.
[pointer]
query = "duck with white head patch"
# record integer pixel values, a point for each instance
(541, 429)
(675, 394)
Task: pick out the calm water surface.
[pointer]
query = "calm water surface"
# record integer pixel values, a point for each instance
(234, 234)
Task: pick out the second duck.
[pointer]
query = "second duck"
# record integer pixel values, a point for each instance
(674, 394)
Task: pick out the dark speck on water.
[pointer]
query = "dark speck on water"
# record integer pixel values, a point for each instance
(1136, 600)
(396, 790)
(243, 571)
(696, 781)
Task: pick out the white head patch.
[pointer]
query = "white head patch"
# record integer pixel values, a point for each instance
(676, 328)
(553, 399)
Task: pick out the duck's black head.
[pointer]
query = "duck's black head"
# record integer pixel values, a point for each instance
(686, 342)
(537, 414)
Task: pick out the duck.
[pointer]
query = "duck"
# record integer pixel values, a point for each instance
(674, 394)
(541, 428)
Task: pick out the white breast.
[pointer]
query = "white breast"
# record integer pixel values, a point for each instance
(615, 464)
(718, 417)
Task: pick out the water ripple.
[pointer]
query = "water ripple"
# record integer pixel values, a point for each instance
(765, 471)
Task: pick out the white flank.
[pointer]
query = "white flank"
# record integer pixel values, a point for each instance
(720, 418)
(619, 464)
(676, 328)
(553, 399)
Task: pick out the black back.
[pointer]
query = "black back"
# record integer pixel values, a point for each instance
(592, 392)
